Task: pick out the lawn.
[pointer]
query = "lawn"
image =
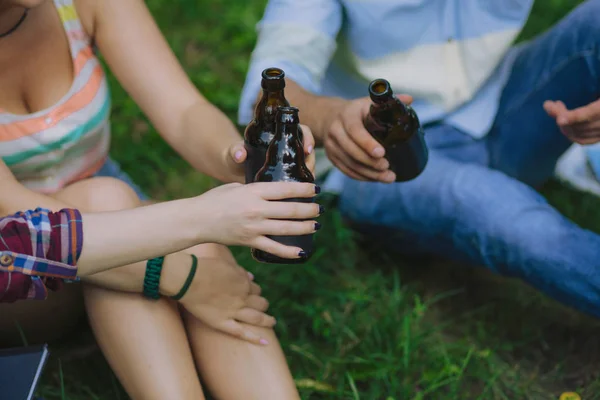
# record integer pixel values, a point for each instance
(355, 322)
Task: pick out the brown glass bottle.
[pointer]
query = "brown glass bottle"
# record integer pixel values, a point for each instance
(261, 129)
(396, 126)
(285, 163)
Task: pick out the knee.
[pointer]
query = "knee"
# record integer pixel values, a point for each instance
(101, 194)
(585, 19)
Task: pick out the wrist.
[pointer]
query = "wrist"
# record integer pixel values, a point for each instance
(174, 272)
(330, 108)
(194, 222)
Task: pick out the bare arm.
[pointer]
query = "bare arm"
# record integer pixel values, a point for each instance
(338, 126)
(318, 112)
(142, 61)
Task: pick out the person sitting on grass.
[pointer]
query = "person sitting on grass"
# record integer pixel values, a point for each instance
(496, 116)
(54, 139)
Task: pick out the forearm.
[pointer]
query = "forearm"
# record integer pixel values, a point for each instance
(16, 198)
(113, 239)
(316, 111)
(130, 278)
(203, 138)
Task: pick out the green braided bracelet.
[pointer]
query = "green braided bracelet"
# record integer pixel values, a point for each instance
(152, 278)
(189, 279)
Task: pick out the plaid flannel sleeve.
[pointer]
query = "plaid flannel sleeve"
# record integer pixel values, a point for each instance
(38, 251)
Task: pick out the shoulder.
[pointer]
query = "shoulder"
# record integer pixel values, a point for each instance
(87, 10)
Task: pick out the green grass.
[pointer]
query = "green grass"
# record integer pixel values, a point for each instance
(355, 322)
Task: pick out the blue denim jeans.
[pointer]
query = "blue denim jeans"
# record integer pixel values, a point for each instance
(112, 169)
(475, 201)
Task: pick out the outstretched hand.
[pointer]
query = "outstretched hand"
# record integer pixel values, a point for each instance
(352, 149)
(581, 125)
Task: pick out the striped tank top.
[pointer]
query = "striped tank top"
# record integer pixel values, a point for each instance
(68, 141)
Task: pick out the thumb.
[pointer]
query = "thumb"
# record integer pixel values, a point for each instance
(238, 153)
(405, 98)
(242, 332)
(553, 108)
(308, 139)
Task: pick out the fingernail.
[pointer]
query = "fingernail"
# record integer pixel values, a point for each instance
(321, 209)
(238, 154)
(378, 152)
(390, 177)
(302, 254)
(317, 226)
(317, 189)
(264, 341)
(251, 276)
(310, 149)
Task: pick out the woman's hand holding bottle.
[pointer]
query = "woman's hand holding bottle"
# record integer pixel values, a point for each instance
(236, 214)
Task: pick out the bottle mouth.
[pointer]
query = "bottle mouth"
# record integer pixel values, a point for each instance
(380, 90)
(273, 79)
(287, 115)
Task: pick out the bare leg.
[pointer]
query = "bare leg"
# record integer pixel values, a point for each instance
(233, 369)
(144, 341)
(259, 372)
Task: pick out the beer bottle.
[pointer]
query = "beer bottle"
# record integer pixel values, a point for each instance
(261, 129)
(285, 163)
(396, 126)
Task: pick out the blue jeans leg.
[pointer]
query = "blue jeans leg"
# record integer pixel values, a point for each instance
(471, 213)
(476, 206)
(113, 170)
(561, 64)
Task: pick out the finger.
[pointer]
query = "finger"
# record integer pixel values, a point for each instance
(558, 109)
(354, 126)
(586, 133)
(238, 153)
(283, 190)
(253, 317)
(281, 227)
(343, 142)
(582, 133)
(582, 114)
(255, 289)
(237, 330)
(584, 140)
(308, 139)
(270, 246)
(257, 303)
(586, 129)
(342, 167)
(551, 108)
(405, 98)
(365, 173)
(311, 161)
(290, 210)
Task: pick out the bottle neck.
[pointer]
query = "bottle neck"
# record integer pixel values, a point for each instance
(286, 150)
(268, 104)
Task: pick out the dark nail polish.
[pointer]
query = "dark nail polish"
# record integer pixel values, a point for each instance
(317, 189)
(321, 209)
(302, 254)
(317, 226)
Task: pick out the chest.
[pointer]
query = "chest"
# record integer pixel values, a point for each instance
(37, 78)
(375, 28)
